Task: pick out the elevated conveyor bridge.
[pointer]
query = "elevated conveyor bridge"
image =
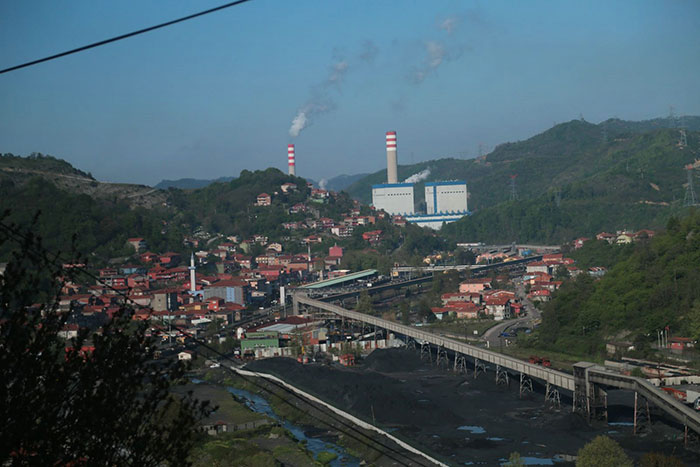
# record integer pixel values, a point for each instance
(586, 384)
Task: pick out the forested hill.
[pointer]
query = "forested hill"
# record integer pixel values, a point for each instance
(574, 179)
(630, 182)
(654, 287)
(189, 183)
(102, 224)
(564, 154)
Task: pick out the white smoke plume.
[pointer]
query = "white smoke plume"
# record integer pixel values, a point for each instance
(298, 123)
(338, 71)
(437, 52)
(420, 176)
(323, 183)
(449, 24)
(322, 95)
(320, 100)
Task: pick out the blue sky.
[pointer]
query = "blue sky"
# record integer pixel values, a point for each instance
(218, 94)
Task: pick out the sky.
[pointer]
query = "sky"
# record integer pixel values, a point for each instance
(228, 91)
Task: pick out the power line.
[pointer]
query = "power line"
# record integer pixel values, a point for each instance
(123, 36)
(17, 236)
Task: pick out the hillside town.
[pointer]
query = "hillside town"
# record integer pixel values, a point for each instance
(226, 292)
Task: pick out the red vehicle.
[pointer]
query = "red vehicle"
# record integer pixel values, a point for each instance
(544, 361)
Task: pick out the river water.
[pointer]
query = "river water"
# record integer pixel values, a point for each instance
(315, 445)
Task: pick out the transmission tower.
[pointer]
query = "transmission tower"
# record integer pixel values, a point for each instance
(683, 140)
(690, 198)
(513, 191)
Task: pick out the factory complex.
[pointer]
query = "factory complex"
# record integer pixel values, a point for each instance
(445, 201)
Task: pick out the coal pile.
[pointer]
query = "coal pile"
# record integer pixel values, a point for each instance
(393, 361)
(457, 416)
(368, 394)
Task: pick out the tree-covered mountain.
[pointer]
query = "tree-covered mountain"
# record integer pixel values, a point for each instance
(341, 182)
(654, 287)
(56, 200)
(189, 183)
(573, 179)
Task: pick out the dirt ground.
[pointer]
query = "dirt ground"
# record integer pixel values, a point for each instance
(469, 421)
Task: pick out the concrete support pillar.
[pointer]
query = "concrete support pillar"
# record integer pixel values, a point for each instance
(295, 305)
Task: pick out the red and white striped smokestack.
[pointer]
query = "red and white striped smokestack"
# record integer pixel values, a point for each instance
(391, 161)
(291, 162)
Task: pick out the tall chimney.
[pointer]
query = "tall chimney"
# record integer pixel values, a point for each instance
(291, 162)
(391, 167)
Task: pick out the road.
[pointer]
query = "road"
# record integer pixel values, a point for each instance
(492, 335)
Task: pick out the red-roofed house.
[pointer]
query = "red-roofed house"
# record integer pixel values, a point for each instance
(608, 237)
(540, 295)
(264, 199)
(373, 236)
(538, 266)
(475, 284)
(498, 306)
(138, 243)
(288, 187)
(148, 257)
(464, 310)
(170, 259)
(578, 243)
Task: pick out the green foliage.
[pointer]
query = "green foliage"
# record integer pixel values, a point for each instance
(39, 162)
(571, 182)
(325, 457)
(404, 311)
(600, 253)
(100, 228)
(602, 452)
(514, 460)
(92, 400)
(654, 287)
(656, 459)
(229, 207)
(364, 304)
(229, 449)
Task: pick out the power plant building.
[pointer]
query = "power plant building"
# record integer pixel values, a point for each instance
(446, 197)
(394, 198)
(445, 201)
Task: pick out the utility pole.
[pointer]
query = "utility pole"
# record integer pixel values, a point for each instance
(513, 191)
(690, 198)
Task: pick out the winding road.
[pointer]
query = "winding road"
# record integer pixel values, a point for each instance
(493, 335)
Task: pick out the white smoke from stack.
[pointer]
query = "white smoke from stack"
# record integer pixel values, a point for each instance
(438, 52)
(298, 123)
(323, 184)
(320, 100)
(449, 24)
(417, 177)
(338, 71)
